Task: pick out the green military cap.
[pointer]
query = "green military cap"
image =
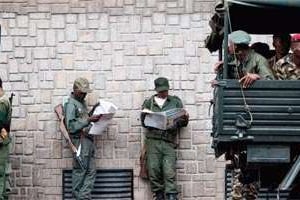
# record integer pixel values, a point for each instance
(239, 37)
(82, 84)
(161, 84)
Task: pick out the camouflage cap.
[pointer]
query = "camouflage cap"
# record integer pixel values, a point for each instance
(239, 37)
(82, 84)
(161, 84)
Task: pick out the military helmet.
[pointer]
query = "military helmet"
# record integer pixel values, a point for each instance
(82, 84)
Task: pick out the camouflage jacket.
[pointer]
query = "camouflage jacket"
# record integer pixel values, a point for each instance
(285, 69)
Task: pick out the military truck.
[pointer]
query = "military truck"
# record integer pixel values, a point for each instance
(258, 128)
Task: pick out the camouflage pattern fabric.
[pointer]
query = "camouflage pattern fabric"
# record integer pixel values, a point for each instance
(237, 186)
(250, 191)
(285, 69)
(242, 191)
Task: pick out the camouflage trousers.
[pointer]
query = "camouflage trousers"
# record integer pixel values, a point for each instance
(242, 191)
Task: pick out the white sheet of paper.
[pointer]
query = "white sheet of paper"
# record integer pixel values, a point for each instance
(107, 110)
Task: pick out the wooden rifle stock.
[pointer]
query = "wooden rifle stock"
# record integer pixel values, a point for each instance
(59, 112)
(143, 163)
(60, 115)
(10, 101)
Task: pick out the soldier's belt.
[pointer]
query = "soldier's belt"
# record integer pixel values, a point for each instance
(160, 134)
(78, 136)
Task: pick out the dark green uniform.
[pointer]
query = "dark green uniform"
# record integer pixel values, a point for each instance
(5, 116)
(256, 64)
(161, 156)
(76, 115)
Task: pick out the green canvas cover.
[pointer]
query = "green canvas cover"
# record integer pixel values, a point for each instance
(266, 3)
(264, 16)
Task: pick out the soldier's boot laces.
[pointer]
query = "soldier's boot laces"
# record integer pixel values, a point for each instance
(172, 197)
(159, 196)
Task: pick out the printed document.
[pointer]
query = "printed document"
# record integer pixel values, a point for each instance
(107, 110)
(163, 120)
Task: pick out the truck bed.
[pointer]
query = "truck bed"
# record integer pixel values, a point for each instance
(275, 108)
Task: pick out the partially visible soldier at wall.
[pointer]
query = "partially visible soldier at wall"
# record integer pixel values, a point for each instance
(288, 67)
(5, 117)
(160, 146)
(78, 122)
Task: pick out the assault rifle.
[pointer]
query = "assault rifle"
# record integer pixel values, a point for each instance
(60, 115)
(10, 101)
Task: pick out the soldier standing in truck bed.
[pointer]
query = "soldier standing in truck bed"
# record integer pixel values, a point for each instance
(288, 67)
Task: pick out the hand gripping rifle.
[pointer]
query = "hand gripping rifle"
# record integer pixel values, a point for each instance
(60, 115)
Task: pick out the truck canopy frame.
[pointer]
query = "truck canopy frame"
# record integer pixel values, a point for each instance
(264, 16)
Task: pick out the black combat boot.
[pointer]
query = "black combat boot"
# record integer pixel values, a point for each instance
(159, 195)
(172, 196)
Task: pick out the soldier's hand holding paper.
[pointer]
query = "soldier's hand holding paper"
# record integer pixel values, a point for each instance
(102, 114)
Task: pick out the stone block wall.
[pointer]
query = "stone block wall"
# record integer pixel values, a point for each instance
(121, 46)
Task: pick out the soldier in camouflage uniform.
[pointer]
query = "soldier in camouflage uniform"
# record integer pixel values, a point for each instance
(5, 116)
(160, 147)
(288, 68)
(248, 66)
(281, 43)
(78, 123)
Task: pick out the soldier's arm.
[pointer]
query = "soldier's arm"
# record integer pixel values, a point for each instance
(143, 115)
(184, 120)
(263, 69)
(74, 124)
(6, 110)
